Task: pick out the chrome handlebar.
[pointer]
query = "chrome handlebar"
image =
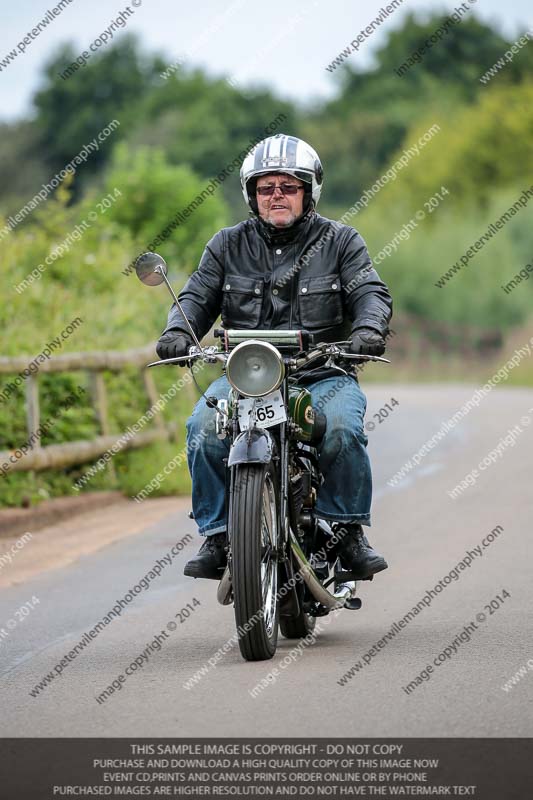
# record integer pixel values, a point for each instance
(211, 355)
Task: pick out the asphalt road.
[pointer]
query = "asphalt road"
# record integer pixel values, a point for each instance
(78, 570)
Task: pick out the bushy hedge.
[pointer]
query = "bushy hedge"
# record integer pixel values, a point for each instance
(117, 311)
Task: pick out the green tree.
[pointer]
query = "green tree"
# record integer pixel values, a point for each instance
(153, 192)
(22, 170)
(375, 108)
(72, 111)
(463, 54)
(206, 123)
(480, 149)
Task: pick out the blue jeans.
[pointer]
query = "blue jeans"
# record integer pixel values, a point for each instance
(345, 495)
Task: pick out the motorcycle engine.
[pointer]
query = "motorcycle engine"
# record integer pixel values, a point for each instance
(300, 495)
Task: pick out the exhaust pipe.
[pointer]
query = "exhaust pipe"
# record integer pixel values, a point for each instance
(343, 593)
(224, 589)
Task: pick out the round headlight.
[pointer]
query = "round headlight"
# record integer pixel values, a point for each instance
(255, 368)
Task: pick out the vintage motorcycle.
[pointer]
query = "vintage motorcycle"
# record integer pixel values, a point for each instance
(282, 569)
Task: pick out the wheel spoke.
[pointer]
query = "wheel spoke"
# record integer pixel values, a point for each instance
(266, 554)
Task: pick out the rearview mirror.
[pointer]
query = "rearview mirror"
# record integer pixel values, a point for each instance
(150, 268)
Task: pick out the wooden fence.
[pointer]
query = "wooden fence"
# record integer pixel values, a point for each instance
(94, 363)
(415, 338)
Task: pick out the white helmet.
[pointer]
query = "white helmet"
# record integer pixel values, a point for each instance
(282, 153)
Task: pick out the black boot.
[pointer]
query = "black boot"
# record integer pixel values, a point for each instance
(210, 560)
(356, 554)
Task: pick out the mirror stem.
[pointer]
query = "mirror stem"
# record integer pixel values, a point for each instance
(178, 304)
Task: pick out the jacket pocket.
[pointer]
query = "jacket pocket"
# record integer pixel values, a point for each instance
(242, 301)
(320, 301)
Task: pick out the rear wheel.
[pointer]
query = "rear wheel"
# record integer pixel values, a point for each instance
(254, 539)
(300, 626)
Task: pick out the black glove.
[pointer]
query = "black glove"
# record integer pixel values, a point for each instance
(173, 344)
(367, 342)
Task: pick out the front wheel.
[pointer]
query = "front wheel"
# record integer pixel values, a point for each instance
(254, 531)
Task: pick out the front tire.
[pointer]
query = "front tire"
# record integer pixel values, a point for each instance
(254, 530)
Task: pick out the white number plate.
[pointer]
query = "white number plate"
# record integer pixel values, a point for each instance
(266, 411)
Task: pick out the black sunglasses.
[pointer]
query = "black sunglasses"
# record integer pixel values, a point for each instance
(285, 188)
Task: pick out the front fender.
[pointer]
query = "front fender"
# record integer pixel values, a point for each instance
(252, 447)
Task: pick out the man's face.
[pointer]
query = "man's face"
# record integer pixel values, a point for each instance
(281, 210)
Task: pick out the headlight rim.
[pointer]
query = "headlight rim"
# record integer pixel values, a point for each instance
(272, 349)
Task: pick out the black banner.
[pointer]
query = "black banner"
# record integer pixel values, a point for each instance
(487, 769)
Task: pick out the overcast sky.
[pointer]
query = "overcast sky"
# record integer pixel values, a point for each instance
(281, 43)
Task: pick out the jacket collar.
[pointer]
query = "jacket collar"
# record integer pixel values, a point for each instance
(279, 236)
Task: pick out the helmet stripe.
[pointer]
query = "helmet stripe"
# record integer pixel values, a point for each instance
(284, 148)
(274, 150)
(292, 147)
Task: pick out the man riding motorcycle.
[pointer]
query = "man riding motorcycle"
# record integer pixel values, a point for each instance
(287, 267)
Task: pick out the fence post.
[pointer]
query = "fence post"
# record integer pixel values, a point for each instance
(32, 410)
(99, 396)
(151, 393)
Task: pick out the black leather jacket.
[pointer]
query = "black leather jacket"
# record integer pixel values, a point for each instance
(316, 275)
